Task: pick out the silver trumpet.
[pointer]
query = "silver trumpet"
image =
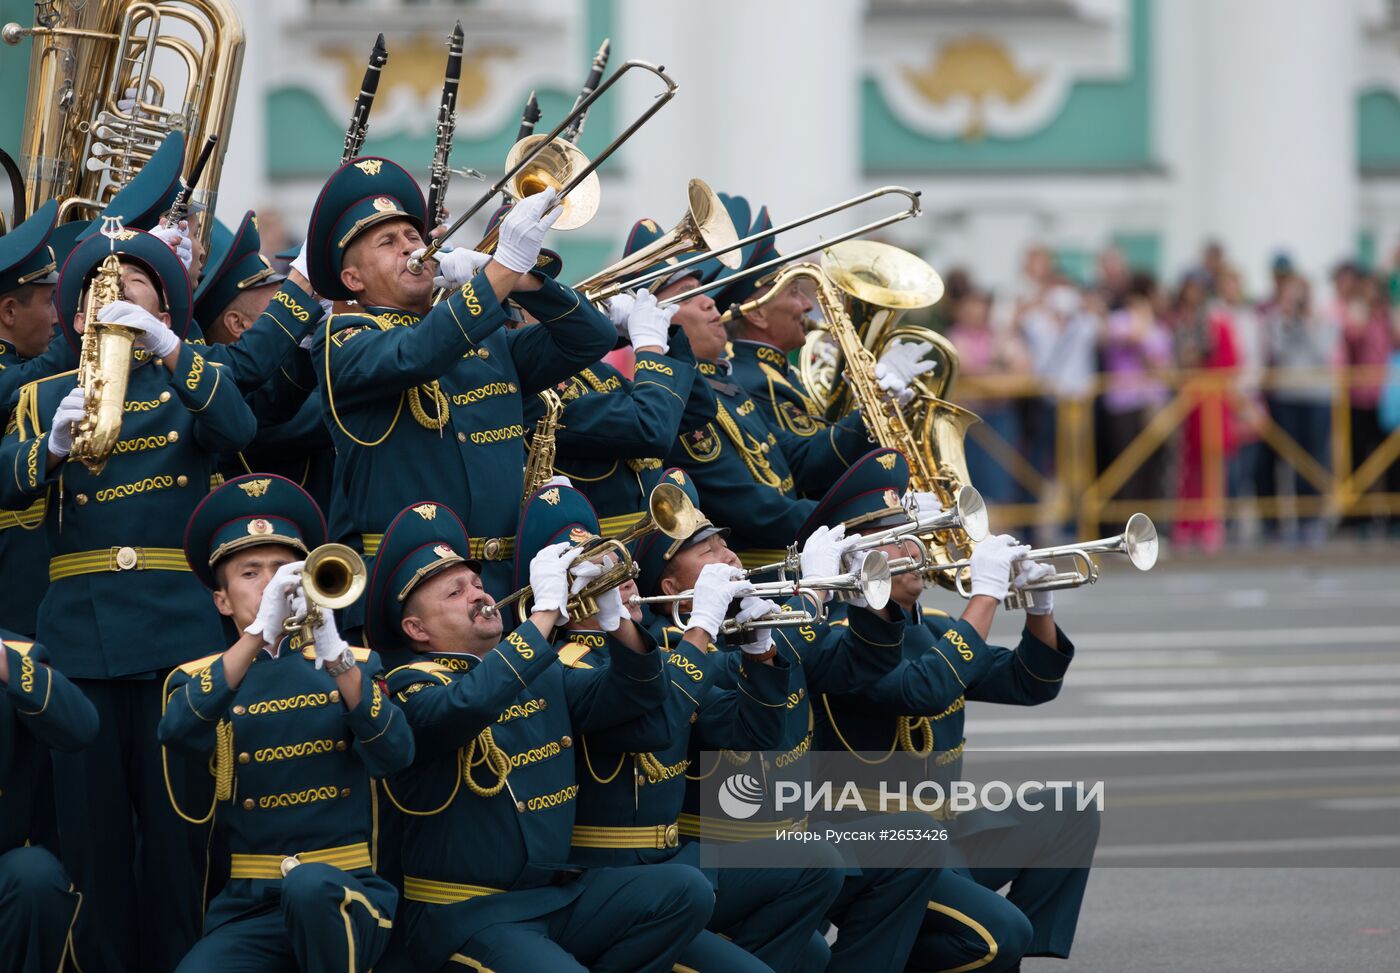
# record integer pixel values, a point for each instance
(1138, 541)
(871, 582)
(968, 514)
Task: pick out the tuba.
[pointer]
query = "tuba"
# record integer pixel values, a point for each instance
(80, 145)
(104, 364)
(877, 283)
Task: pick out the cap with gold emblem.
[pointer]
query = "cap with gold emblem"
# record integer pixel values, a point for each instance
(231, 269)
(424, 539)
(248, 511)
(552, 515)
(131, 246)
(25, 254)
(654, 550)
(357, 196)
(869, 494)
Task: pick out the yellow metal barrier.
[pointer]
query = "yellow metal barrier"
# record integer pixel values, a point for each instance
(1078, 490)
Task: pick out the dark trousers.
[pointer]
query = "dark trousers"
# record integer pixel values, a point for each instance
(1310, 423)
(771, 912)
(141, 868)
(37, 909)
(635, 919)
(967, 922)
(324, 919)
(1366, 437)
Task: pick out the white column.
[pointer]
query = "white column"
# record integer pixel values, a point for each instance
(1276, 160)
(243, 183)
(767, 106)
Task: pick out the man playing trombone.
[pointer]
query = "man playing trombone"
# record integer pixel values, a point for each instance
(877, 911)
(293, 723)
(422, 398)
(488, 806)
(915, 713)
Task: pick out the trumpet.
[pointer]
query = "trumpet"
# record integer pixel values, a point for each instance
(968, 514)
(1138, 541)
(529, 170)
(669, 511)
(333, 577)
(870, 581)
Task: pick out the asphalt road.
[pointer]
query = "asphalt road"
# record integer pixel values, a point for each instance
(1261, 656)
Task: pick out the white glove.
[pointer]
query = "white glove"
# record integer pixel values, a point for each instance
(69, 411)
(1041, 602)
(717, 586)
(177, 238)
(991, 565)
(456, 267)
(852, 566)
(922, 504)
(276, 605)
(549, 577)
(557, 480)
(154, 336)
(127, 102)
(299, 262)
(755, 607)
(329, 645)
(619, 306)
(610, 610)
(583, 572)
(821, 555)
(650, 324)
(903, 363)
(523, 230)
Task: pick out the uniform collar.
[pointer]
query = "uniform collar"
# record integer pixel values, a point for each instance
(760, 350)
(720, 368)
(393, 313)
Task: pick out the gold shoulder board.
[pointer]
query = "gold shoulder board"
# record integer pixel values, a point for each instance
(572, 656)
(190, 668)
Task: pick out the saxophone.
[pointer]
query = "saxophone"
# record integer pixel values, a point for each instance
(539, 463)
(104, 365)
(885, 421)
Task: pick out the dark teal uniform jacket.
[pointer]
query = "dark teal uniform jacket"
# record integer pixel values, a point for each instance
(295, 768)
(425, 408)
(752, 475)
(116, 540)
(23, 545)
(525, 704)
(614, 431)
(39, 709)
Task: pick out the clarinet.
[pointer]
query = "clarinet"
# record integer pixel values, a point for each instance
(595, 75)
(446, 124)
(529, 117)
(180, 208)
(359, 119)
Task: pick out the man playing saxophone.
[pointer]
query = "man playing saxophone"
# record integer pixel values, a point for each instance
(122, 607)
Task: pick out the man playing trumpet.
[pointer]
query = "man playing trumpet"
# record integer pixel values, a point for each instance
(877, 911)
(309, 725)
(488, 806)
(630, 799)
(916, 712)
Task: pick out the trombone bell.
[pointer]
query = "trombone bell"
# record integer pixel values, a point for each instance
(553, 168)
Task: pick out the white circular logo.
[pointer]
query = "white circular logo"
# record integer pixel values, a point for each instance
(740, 796)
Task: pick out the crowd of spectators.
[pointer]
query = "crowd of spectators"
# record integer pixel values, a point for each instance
(1123, 345)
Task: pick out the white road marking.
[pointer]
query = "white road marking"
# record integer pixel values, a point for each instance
(1290, 717)
(1261, 847)
(1322, 636)
(1257, 694)
(1340, 744)
(1235, 675)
